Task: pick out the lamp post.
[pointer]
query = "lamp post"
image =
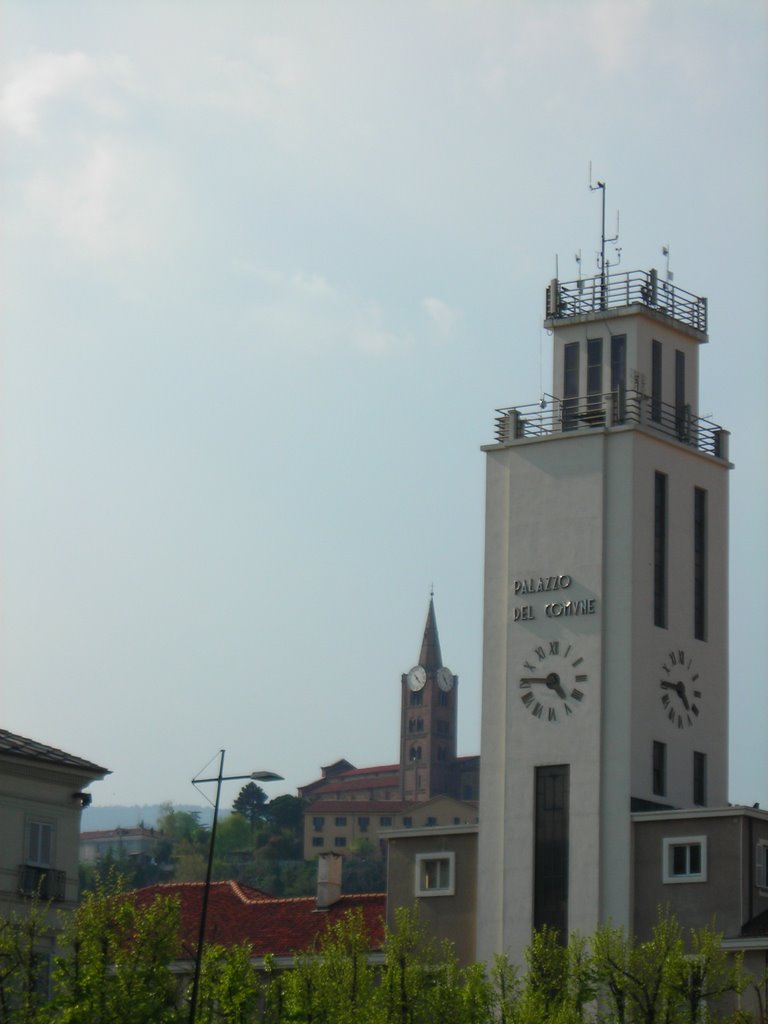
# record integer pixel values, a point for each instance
(262, 776)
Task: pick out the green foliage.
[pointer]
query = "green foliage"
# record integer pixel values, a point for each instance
(251, 803)
(115, 968)
(23, 963)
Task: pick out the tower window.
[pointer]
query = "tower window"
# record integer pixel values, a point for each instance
(700, 563)
(681, 417)
(570, 384)
(417, 699)
(618, 361)
(594, 374)
(656, 381)
(659, 768)
(660, 551)
(550, 885)
(443, 699)
(699, 778)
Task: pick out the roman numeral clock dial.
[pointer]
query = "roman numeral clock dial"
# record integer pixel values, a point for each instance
(680, 689)
(552, 681)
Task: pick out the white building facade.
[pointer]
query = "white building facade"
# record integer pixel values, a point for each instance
(605, 684)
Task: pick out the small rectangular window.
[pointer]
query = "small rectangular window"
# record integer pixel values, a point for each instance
(385, 821)
(362, 824)
(659, 768)
(407, 822)
(685, 859)
(435, 874)
(340, 821)
(656, 381)
(317, 824)
(317, 840)
(340, 841)
(700, 563)
(660, 551)
(431, 821)
(699, 778)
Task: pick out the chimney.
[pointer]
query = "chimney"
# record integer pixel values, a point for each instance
(328, 880)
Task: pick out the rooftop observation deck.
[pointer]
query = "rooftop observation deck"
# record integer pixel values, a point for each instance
(613, 291)
(618, 408)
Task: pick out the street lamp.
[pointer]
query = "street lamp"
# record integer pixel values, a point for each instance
(218, 779)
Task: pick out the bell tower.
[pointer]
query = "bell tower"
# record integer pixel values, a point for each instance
(605, 685)
(428, 703)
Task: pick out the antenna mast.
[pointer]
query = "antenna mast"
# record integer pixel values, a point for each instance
(601, 261)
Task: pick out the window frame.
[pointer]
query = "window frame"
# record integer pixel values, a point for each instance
(424, 859)
(36, 858)
(671, 843)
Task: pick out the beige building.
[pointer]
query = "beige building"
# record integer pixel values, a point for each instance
(42, 792)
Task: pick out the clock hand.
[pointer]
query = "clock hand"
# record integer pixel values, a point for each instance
(533, 679)
(681, 694)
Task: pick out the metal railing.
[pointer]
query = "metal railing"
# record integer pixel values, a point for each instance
(45, 883)
(614, 408)
(592, 294)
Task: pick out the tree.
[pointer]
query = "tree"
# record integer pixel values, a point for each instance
(251, 803)
(114, 969)
(23, 971)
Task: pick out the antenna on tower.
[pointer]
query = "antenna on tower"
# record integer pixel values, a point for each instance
(602, 264)
(665, 252)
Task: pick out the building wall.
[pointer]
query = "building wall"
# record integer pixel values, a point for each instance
(451, 917)
(32, 792)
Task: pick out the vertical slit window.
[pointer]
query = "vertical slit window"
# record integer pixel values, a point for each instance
(619, 371)
(680, 409)
(700, 563)
(570, 385)
(656, 381)
(550, 885)
(594, 376)
(660, 551)
(659, 768)
(699, 778)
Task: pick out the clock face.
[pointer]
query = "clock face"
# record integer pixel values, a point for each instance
(417, 677)
(445, 678)
(551, 681)
(680, 689)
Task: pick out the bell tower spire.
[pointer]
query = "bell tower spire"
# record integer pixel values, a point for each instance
(429, 694)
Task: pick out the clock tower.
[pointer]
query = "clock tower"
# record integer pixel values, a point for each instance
(606, 617)
(428, 707)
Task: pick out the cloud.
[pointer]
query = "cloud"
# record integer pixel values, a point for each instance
(34, 83)
(303, 311)
(440, 313)
(114, 201)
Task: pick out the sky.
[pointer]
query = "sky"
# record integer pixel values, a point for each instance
(267, 270)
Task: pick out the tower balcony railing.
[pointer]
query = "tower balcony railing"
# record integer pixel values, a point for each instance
(614, 408)
(610, 291)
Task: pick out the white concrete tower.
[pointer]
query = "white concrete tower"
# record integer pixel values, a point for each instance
(606, 615)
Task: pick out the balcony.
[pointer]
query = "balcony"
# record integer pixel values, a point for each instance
(45, 883)
(613, 409)
(594, 294)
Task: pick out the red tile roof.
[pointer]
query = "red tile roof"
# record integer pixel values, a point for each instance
(281, 926)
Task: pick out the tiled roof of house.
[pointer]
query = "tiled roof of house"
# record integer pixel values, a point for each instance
(281, 926)
(121, 833)
(31, 750)
(357, 806)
